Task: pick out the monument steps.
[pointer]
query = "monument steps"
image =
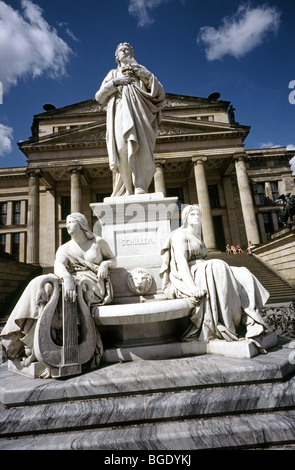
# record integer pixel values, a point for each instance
(279, 289)
(200, 402)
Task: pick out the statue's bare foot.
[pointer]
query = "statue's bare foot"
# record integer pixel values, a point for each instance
(26, 362)
(46, 374)
(139, 191)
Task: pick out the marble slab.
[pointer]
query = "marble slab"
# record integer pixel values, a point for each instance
(136, 227)
(144, 408)
(222, 432)
(144, 376)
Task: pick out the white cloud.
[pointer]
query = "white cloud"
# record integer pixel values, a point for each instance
(266, 145)
(269, 144)
(142, 10)
(240, 33)
(64, 24)
(29, 45)
(6, 134)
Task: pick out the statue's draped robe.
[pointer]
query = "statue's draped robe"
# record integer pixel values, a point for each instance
(134, 112)
(233, 299)
(20, 327)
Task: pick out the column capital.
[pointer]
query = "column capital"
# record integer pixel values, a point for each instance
(33, 172)
(76, 169)
(197, 159)
(160, 162)
(239, 156)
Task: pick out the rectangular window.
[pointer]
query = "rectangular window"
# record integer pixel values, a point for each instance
(260, 193)
(2, 242)
(274, 190)
(268, 225)
(100, 196)
(3, 213)
(65, 207)
(15, 246)
(213, 196)
(173, 192)
(16, 213)
(256, 164)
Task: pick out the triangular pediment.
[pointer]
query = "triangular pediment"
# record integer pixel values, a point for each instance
(170, 127)
(84, 107)
(93, 132)
(176, 126)
(173, 100)
(91, 106)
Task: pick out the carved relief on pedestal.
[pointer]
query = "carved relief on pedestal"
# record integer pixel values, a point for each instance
(139, 281)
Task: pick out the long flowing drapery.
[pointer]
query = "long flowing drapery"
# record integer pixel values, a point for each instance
(133, 112)
(233, 298)
(18, 332)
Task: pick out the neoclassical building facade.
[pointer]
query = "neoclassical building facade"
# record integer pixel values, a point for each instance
(200, 158)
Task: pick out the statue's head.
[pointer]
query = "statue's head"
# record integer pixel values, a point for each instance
(127, 45)
(187, 211)
(83, 223)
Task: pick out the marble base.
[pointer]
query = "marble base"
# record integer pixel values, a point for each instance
(154, 352)
(201, 402)
(136, 227)
(241, 348)
(33, 370)
(219, 433)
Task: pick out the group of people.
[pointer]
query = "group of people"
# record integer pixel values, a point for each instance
(232, 249)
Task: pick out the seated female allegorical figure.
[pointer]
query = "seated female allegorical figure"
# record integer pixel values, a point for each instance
(227, 299)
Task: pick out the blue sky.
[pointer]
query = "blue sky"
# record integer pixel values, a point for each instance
(59, 51)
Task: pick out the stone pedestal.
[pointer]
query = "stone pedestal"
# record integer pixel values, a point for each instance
(136, 227)
(191, 403)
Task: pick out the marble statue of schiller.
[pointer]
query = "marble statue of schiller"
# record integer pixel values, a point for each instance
(134, 99)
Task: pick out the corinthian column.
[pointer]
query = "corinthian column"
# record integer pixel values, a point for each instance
(246, 200)
(204, 202)
(33, 217)
(76, 191)
(159, 180)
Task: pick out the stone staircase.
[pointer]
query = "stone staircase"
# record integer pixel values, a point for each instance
(280, 290)
(189, 403)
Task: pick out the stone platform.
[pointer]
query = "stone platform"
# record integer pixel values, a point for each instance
(187, 403)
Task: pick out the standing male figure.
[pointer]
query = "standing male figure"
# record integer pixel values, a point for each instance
(134, 99)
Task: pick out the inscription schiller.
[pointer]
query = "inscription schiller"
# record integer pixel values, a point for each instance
(138, 241)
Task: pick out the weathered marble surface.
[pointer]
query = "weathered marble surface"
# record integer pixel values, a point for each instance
(122, 406)
(148, 376)
(195, 434)
(203, 402)
(135, 227)
(134, 98)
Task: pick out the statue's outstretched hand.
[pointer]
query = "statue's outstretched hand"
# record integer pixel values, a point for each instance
(199, 292)
(142, 72)
(102, 272)
(122, 81)
(70, 289)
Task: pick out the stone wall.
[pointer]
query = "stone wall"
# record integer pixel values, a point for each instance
(13, 278)
(279, 254)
